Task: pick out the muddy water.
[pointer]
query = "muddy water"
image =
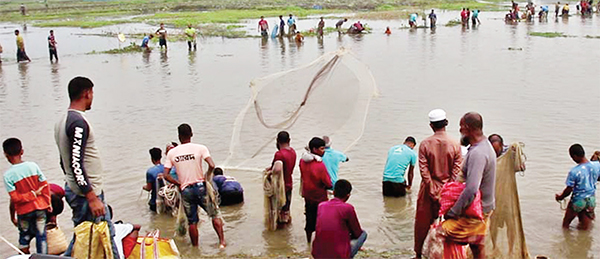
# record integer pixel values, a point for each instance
(545, 95)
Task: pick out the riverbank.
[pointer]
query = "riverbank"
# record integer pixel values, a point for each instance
(178, 13)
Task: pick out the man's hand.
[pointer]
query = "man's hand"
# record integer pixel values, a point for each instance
(557, 197)
(14, 221)
(96, 205)
(38, 192)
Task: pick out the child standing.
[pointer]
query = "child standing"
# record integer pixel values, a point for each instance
(30, 194)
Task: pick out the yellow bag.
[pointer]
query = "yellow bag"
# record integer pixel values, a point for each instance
(92, 240)
(154, 247)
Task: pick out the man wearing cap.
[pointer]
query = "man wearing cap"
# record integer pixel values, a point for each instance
(440, 160)
(332, 159)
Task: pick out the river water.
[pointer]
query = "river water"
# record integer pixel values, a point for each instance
(546, 95)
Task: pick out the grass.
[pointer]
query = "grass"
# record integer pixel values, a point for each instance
(592, 37)
(132, 48)
(454, 22)
(179, 13)
(549, 34)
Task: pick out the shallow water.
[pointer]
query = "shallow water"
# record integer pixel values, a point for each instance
(546, 95)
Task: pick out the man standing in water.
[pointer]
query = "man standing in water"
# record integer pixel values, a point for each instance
(287, 155)
(332, 159)
(581, 182)
(556, 9)
(291, 22)
(263, 27)
(162, 36)
(187, 159)
(80, 160)
(432, 19)
(439, 162)
(400, 157)
(281, 26)
(320, 27)
(190, 33)
(479, 172)
(315, 182)
(21, 55)
(52, 46)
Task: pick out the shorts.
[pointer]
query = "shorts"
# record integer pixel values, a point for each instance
(310, 211)
(30, 225)
(586, 205)
(392, 189)
(194, 196)
(162, 42)
(231, 198)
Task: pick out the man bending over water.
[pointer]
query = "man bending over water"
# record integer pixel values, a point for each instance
(581, 182)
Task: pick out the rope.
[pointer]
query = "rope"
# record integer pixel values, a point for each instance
(563, 204)
(170, 194)
(11, 245)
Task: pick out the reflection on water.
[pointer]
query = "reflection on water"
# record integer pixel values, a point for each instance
(521, 98)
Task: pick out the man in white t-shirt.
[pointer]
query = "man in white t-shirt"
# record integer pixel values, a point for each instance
(187, 159)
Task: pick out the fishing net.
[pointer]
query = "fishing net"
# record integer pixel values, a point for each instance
(506, 238)
(329, 96)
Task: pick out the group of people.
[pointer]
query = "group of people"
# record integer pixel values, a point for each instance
(466, 15)
(334, 223)
(22, 55)
(585, 7)
(190, 33)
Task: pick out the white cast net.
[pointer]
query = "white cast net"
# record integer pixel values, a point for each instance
(329, 96)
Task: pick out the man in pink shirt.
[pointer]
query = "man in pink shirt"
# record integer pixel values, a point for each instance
(338, 231)
(187, 159)
(315, 182)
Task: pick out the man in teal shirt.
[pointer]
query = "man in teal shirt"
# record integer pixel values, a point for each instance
(399, 158)
(332, 159)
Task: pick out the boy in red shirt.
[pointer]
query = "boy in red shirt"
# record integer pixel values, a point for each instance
(30, 195)
(315, 182)
(338, 231)
(287, 155)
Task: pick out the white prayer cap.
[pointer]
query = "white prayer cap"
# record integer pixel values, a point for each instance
(437, 115)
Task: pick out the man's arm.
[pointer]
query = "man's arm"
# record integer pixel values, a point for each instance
(148, 186)
(354, 225)
(411, 174)
(457, 165)
(566, 192)
(211, 167)
(424, 165)
(13, 213)
(475, 168)
(167, 176)
(78, 133)
(325, 178)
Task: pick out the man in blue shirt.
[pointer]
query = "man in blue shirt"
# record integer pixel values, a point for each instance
(291, 25)
(145, 42)
(332, 159)
(399, 158)
(153, 174)
(581, 181)
(230, 190)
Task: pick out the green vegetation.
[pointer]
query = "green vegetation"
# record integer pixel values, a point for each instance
(179, 13)
(132, 48)
(452, 23)
(313, 32)
(592, 37)
(549, 34)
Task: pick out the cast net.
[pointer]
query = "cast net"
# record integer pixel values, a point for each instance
(506, 238)
(329, 96)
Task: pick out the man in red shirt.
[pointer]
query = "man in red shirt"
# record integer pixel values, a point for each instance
(287, 155)
(315, 182)
(338, 231)
(263, 27)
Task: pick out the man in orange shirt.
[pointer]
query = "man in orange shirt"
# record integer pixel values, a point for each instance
(440, 160)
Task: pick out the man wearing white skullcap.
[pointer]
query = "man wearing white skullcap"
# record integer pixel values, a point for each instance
(440, 159)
